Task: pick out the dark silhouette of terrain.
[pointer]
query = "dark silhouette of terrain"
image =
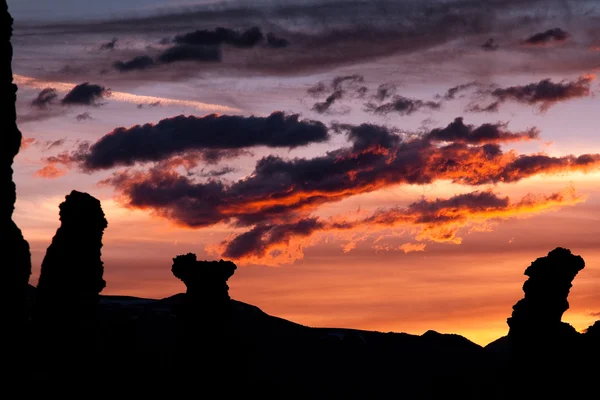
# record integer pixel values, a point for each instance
(16, 264)
(70, 340)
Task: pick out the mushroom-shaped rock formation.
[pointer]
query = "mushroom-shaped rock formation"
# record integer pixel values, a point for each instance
(71, 276)
(205, 316)
(206, 281)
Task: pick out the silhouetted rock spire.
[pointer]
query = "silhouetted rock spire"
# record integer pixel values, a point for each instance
(537, 317)
(16, 264)
(71, 276)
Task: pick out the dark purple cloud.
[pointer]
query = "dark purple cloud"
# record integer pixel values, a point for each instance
(340, 88)
(188, 52)
(543, 38)
(136, 63)
(384, 92)
(458, 132)
(544, 93)
(402, 105)
(213, 136)
(220, 36)
(455, 90)
(261, 239)
(85, 94)
(44, 98)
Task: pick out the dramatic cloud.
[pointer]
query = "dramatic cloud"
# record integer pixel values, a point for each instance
(137, 63)
(402, 105)
(543, 38)
(490, 45)
(544, 93)
(86, 94)
(281, 189)
(439, 220)
(45, 98)
(213, 136)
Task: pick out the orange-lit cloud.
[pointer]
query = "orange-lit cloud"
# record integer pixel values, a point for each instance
(281, 189)
(439, 220)
(26, 142)
(50, 171)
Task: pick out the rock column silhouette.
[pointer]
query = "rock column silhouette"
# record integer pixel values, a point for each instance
(536, 319)
(68, 293)
(71, 276)
(544, 351)
(16, 265)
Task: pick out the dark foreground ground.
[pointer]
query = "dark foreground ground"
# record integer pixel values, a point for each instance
(140, 347)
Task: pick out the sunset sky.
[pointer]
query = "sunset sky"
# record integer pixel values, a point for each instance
(377, 164)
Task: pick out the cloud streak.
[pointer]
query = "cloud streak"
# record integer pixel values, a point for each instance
(124, 96)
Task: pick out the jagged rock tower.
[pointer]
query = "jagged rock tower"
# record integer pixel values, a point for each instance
(16, 259)
(536, 319)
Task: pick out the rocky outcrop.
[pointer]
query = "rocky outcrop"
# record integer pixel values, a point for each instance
(538, 315)
(206, 281)
(16, 265)
(71, 276)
